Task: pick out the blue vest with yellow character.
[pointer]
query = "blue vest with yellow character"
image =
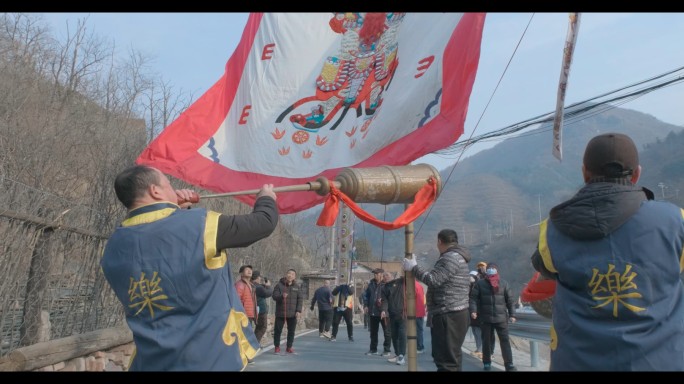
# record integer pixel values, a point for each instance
(618, 305)
(177, 291)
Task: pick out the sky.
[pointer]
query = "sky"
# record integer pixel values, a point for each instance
(613, 50)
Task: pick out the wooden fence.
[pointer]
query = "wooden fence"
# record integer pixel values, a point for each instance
(51, 284)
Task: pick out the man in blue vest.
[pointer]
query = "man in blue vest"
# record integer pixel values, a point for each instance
(616, 256)
(169, 268)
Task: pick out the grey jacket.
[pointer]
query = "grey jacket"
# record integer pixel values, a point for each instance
(448, 281)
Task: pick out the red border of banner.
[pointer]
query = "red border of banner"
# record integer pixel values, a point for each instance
(174, 151)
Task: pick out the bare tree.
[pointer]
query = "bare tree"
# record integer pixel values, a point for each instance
(73, 115)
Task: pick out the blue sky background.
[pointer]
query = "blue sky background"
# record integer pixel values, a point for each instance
(613, 50)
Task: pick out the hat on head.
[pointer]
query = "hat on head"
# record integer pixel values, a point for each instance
(481, 264)
(245, 266)
(473, 273)
(611, 155)
(378, 270)
(255, 275)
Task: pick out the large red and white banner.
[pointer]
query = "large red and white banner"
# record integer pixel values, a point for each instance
(307, 94)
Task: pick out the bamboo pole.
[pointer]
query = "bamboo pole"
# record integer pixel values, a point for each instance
(310, 186)
(410, 292)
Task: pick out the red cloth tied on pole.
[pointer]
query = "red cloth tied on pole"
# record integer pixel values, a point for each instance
(423, 199)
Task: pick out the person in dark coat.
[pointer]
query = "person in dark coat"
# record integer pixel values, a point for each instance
(323, 296)
(289, 299)
(264, 291)
(475, 323)
(492, 303)
(373, 307)
(362, 303)
(393, 307)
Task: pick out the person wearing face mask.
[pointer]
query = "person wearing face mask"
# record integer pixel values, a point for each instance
(492, 303)
(481, 273)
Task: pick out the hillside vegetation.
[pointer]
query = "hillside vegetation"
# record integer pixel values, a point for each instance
(72, 116)
(494, 199)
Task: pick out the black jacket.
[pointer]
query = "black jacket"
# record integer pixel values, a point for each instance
(473, 322)
(373, 298)
(492, 307)
(292, 303)
(236, 231)
(393, 298)
(323, 296)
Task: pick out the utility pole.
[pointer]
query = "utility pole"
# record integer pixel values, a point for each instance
(539, 201)
(662, 189)
(331, 259)
(410, 301)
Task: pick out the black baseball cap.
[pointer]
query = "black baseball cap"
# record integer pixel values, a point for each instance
(612, 155)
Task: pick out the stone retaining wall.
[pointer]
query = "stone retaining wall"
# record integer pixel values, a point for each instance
(118, 358)
(115, 359)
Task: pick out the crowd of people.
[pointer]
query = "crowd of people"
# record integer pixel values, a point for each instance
(615, 254)
(488, 305)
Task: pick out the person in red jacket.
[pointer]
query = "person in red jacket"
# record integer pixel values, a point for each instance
(247, 294)
(420, 316)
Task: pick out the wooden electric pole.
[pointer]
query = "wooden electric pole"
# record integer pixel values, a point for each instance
(410, 290)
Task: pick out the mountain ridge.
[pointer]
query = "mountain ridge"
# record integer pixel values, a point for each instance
(495, 198)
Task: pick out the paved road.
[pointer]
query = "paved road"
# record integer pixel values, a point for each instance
(315, 354)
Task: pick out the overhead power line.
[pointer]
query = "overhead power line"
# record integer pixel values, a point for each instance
(580, 110)
(573, 114)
